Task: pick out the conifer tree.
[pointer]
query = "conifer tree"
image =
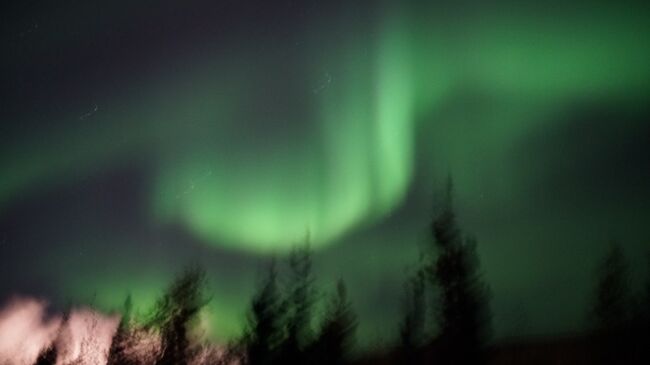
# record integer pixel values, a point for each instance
(645, 327)
(299, 307)
(412, 325)
(336, 336)
(646, 294)
(265, 331)
(462, 312)
(176, 312)
(120, 339)
(611, 308)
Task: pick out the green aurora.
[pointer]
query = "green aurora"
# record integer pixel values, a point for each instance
(340, 127)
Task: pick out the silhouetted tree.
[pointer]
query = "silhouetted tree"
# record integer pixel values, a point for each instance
(299, 307)
(462, 311)
(612, 307)
(644, 333)
(645, 304)
(116, 354)
(265, 331)
(336, 336)
(412, 325)
(175, 312)
(638, 329)
(47, 356)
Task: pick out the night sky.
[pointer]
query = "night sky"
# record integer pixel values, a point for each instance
(137, 137)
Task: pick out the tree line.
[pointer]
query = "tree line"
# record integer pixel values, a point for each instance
(445, 314)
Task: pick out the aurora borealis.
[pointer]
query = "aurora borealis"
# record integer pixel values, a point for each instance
(137, 137)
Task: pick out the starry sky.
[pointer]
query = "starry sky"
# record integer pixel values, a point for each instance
(137, 137)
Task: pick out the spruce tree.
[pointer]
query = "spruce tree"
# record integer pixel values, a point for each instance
(176, 312)
(116, 354)
(265, 331)
(336, 336)
(412, 325)
(639, 333)
(299, 307)
(646, 294)
(462, 312)
(611, 307)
